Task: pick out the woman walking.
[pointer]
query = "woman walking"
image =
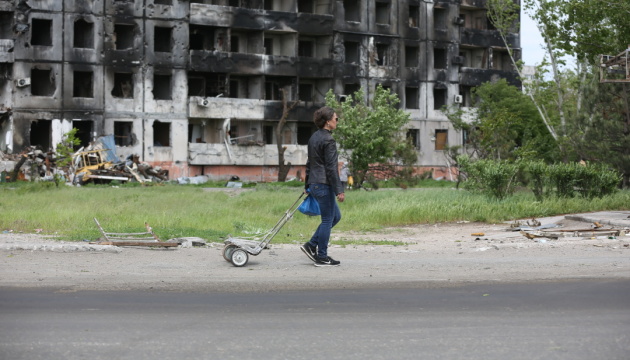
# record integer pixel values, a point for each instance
(322, 182)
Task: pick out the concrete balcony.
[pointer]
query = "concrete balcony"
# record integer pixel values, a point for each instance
(247, 155)
(223, 108)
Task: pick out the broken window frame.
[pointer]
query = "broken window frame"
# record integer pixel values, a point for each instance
(83, 84)
(41, 32)
(353, 56)
(163, 39)
(440, 56)
(124, 35)
(439, 98)
(161, 133)
(382, 13)
(414, 136)
(413, 93)
(352, 10)
(123, 133)
(414, 16)
(162, 86)
(412, 54)
(83, 34)
(43, 82)
(119, 89)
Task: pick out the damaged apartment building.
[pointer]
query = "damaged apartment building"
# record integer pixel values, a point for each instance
(196, 86)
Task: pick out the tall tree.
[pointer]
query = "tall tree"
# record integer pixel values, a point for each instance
(505, 125)
(504, 15)
(585, 29)
(283, 166)
(370, 135)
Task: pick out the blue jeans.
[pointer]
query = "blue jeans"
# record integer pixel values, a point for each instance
(331, 215)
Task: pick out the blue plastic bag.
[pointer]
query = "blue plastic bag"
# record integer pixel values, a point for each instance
(310, 206)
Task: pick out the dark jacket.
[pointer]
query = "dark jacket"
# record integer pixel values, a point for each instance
(321, 166)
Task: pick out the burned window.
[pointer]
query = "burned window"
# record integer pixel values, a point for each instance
(413, 137)
(41, 32)
(439, 58)
(268, 43)
(501, 60)
(84, 133)
(234, 44)
(162, 87)
(6, 25)
(163, 2)
(123, 86)
(439, 98)
(352, 52)
(161, 133)
(440, 18)
(280, 44)
(465, 93)
(352, 10)
(162, 39)
(268, 132)
(83, 34)
(123, 36)
(305, 92)
(233, 3)
(40, 134)
(305, 6)
(305, 48)
(42, 82)
(349, 89)
(206, 38)
(382, 54)
(196, 86)
(304, 133)
(411, 56)
(414, 16)
(382, 10)
(207, 84)
(412, 98)
(234, 88)
(274, 86)
(123, 133)
(441, 139)
(83, 84)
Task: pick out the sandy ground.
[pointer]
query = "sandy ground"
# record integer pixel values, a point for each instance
(432, 256)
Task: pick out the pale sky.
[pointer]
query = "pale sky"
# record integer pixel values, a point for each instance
(531, 41)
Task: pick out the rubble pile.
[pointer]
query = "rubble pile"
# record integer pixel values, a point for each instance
(96, 163)
(31, 164)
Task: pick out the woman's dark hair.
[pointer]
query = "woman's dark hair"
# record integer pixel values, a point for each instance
(322, 115)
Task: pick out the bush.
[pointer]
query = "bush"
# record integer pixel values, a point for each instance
(536, 176)
(491, 177)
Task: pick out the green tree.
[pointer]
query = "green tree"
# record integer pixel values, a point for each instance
(594, 117)
(64, 152)
(370, 137)
(504, 126)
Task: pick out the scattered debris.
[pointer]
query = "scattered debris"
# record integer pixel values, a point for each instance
(95, 163)
(147, 238)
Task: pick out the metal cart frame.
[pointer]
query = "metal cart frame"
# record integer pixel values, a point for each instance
(237, 250)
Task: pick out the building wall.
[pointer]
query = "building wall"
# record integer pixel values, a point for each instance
(164, 78)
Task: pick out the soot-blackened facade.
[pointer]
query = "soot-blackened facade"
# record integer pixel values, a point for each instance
(196, 86)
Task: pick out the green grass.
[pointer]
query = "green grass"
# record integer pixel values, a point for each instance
(190, 211)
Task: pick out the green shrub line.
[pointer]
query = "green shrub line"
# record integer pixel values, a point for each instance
(192, 211)
(499, 179)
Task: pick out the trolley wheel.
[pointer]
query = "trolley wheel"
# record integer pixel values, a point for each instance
(239, 257)
(227, 252)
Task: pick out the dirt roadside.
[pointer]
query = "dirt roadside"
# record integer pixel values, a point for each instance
(434, 255)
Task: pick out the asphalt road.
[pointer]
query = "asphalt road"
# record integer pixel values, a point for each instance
(586, 319)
